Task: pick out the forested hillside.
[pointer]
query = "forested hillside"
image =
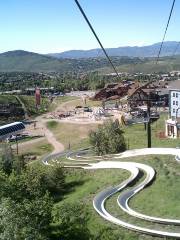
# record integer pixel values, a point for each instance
(23, 61)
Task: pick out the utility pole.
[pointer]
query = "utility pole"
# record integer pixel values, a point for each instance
(17, 148)
(149, 124)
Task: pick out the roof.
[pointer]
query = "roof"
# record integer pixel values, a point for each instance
(111, 85)
(43, 88)
(170, 121)
(163, 91)
(174, 85)
(9, 129)
(132, 91)
(148, 90)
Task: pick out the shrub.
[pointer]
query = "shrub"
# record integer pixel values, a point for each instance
(108, 138)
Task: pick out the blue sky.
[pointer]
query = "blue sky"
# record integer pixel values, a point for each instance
(46, 26)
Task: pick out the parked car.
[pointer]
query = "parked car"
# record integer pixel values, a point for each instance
(87, 109)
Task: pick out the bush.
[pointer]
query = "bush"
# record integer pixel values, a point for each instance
(71, 222)
(108, 138)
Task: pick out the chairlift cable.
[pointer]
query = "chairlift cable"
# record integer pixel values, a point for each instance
(97, 38)
(167, 25)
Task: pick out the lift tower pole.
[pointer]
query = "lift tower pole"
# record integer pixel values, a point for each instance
(148, 101)
(149, 124)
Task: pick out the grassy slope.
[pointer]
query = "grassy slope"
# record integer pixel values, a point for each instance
(137, 136)
(159, 199)
(165, 65)
(38, 148)
(75, 134)
(6, 99)
(90, 183)
(30, 62)
(59, 100)
(162, 197)
(156, 200)
(29, 102)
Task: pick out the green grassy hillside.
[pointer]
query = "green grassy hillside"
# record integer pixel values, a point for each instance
(165, 64)
(22, 61)
(30, 62)
(7, 99)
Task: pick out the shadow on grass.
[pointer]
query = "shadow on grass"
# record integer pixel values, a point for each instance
(68, 188)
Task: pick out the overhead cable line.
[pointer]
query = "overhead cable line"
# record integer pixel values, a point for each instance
(97, 38)
(167, 25)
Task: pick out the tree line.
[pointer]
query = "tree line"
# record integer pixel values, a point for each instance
(62, 82)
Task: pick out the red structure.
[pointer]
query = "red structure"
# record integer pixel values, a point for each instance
(113, 91)
(37, 97)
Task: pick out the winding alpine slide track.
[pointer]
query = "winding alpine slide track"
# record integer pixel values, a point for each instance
(81, 159)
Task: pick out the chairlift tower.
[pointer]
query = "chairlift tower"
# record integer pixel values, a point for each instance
(149, 124)
(148, 101)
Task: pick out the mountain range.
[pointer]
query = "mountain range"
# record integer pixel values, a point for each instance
(145, 51)
(78, 60)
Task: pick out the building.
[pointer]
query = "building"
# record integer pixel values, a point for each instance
(10, 129)
(172, 125)
(140, 94)
(113, 91)
(11, 110)
(174, 103)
